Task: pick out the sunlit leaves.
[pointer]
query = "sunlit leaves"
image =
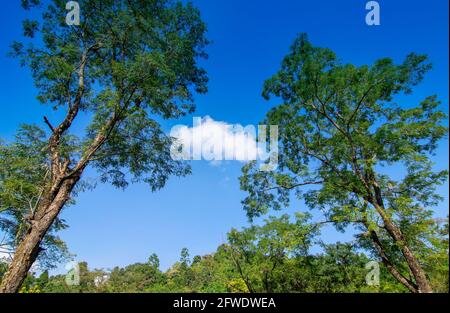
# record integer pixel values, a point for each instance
(24, 175)
(339, 125)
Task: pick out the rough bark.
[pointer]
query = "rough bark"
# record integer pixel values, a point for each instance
(63, 181)
(391, 268)
(418, 273)
(28, 250)
(423, 286)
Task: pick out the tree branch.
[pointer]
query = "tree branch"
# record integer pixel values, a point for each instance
(49, 124)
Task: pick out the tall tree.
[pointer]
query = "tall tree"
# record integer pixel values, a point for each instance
(342, 134)
(23, 175)
(127, 63)
(261, 253)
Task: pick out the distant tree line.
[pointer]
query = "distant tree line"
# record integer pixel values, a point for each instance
(273, 257)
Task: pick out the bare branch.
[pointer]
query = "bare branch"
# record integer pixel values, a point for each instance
(49, 124)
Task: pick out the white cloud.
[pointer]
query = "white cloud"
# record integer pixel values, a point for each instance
(215, 141)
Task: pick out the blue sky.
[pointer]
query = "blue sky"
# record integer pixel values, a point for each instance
(111, 227)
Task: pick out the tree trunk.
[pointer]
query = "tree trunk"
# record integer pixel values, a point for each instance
(421, 284)
(396, 234)
(413, 264)
(391, 267)
(28, 249)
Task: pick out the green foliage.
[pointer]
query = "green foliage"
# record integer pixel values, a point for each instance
(339, 269)
(128, 64)
(255, 259)
(24, 175)
(337, 119)
(341, 133)
(436, 258)
(145, 277)
(3, 268)
(140, 145)
(259, 252)
(27, 4)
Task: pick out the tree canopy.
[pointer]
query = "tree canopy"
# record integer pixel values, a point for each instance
(341, 130)
(125, 66)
